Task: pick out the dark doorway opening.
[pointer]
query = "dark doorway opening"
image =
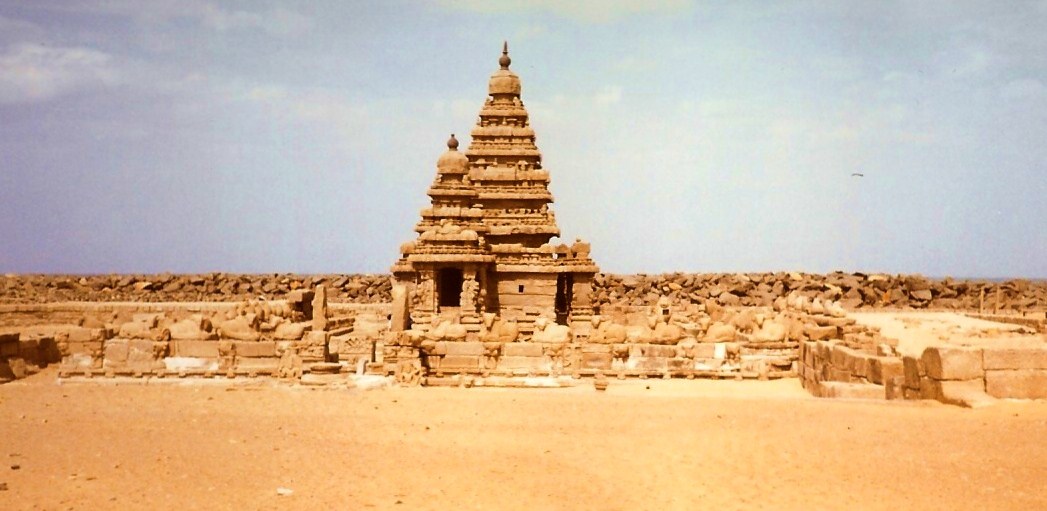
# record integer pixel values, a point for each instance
(564, 283)
(449, 287)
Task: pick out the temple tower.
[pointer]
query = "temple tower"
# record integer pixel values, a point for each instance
(484, 244)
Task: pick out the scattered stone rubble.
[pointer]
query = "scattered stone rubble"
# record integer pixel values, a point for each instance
(852, 290)
(209, 287)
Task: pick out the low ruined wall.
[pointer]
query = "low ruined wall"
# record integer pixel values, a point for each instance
(835, 368)
(965, 376)
(1035, 320)
(210, 287)
(958, 375)
(853, 290)
(21, 356)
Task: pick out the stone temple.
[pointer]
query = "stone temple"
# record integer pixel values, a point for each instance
(483, 246)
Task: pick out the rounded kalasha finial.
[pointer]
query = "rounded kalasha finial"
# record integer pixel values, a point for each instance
(452, 143)
(504, 60)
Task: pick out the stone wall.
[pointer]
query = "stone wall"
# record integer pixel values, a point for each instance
(958, 375)
(21, 356)
(852, 290)
(842, 369)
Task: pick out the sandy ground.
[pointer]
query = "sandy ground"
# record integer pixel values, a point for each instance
(918, 329)
(675, 445)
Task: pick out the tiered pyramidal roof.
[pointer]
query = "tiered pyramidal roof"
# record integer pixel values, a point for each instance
(491, 204)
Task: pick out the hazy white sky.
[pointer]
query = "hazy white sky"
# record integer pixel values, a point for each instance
(254, 136)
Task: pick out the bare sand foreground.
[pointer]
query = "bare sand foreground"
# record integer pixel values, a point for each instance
(675, 445)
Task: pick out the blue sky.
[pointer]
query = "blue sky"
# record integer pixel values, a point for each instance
(195, 135)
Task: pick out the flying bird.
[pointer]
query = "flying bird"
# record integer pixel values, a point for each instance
(857, 174)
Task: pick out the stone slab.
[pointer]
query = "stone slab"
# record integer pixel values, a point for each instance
(509, 363)
(650, 363)
(596, 361)
(259, 364)
(965, 393)
(176, 364)
(521, 349)
(841, 390)
(817, 333)
(458, 362)
(450, 348)
(953, 363)
(659, 350)
(1015, 358)
(911, 371)
(260, 349)
(194, 349)
(1017, 384)
(115, 351)
(883, 369)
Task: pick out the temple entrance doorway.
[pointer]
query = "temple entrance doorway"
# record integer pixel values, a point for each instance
(449, 287)
(564, 283)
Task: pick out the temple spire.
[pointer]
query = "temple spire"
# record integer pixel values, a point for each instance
(504, 60)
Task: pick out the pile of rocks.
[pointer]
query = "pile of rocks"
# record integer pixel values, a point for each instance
(210, 287)
(851, 290)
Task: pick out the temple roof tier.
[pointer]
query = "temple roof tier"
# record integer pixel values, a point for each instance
(518, 195)
(505, 230)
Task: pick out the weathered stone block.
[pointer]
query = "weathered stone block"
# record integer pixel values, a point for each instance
(704, 350)
(596, 361)
(9, 345)
(1017, 384)
(79, 334)
(841, 390)
(247, 349)
(659, 350)
(258, 364)
(895, 388)
(194, 349)
(6, 374)
(453, 363)
(837, 374)
(87, 347)
(1014, 358)
(115, 352)
(14, 368)
(859, 365)
(315, 338)
(824, 350)
(651, 363)
(953, 363)
(840, 356)
(911, 371)
(966, 393)
(514, 362)
(884, 369)
(461, 348)
(816, 333)
(521, 349)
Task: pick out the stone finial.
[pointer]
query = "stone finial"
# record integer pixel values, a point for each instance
(452, 143)
(504, 60)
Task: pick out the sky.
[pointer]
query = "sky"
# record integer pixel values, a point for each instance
(722, 136)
